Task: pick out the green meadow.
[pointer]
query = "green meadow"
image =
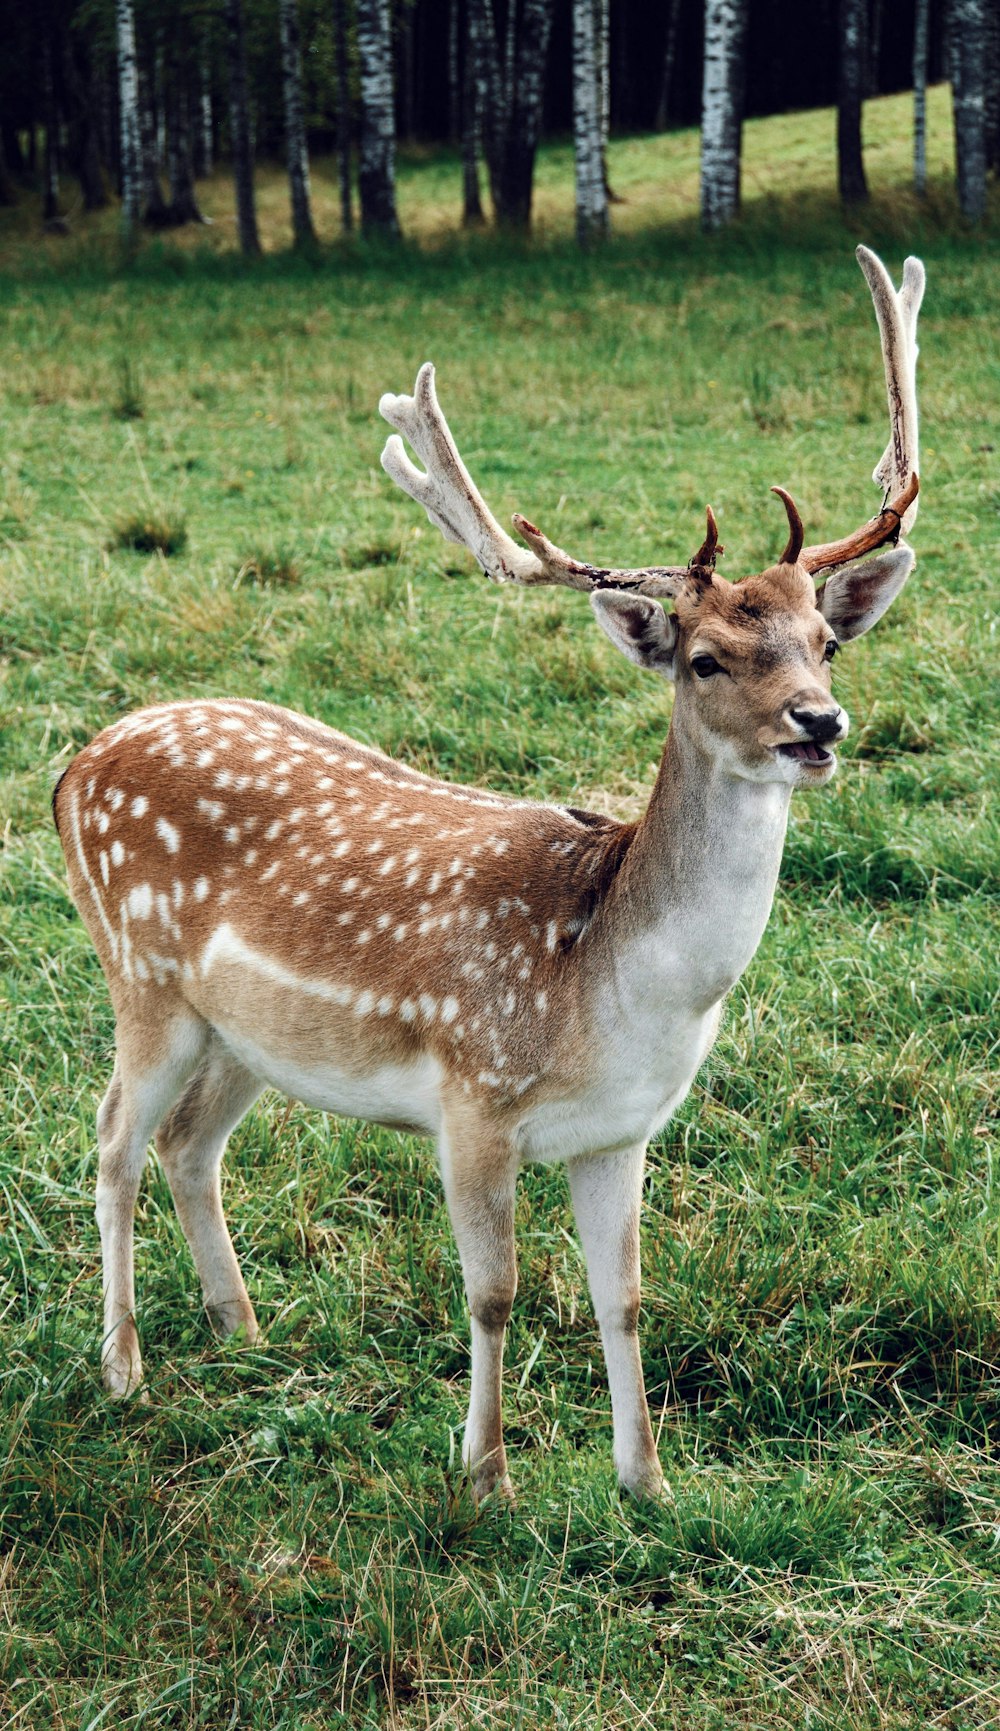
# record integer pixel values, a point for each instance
(191, 504)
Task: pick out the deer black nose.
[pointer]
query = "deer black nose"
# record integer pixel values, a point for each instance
(820, 724)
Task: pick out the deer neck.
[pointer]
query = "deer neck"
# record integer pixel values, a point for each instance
(690, 904)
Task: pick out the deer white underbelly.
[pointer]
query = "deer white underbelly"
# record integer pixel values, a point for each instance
(404, 1096)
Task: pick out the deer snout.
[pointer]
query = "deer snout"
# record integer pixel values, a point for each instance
(822, 725)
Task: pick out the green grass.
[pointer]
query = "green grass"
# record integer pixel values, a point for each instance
(280, 1537)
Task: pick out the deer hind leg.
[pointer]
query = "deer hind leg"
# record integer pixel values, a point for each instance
(479, 1182)
(141, 1091)
(191, 1142)
(607, 1191)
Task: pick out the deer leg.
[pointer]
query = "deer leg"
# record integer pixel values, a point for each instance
(138, 1096)
(479, 1189)
(606, 1191)
(191, 1142)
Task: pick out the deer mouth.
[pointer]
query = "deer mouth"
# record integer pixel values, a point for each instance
(806, 751)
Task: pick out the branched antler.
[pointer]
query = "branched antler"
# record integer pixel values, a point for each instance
(454, 504)
(896, 471)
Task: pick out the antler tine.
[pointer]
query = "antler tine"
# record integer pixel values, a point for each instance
(897, 323)
(454, 504)
(704, 559)
(795, 531)
(447, 491)
(896, 471)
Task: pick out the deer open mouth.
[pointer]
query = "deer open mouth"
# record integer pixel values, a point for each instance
(806, 751)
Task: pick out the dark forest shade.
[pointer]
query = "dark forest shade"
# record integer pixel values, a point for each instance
(515, 91)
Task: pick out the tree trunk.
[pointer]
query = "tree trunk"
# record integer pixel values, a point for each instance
(992, 74)
(83, 99)
(850, 162)
(50, 195)
(183, 203)
(722, 111)
(514, 91)
(343, 114)
(920, 33)
(295, 132)
(669, 60)
(128, 107)
(602, 31)
(204, 129)
(591, 193)
(967, 22)
(376, 169)
(156, 210)
(239, 126)
(472, 204)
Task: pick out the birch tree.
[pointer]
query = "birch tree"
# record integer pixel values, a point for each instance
(128, 108)
(239, 129)
(591, 188)
(920, 35)
(204, 130)
(722, 110)
(850, 90)
(295, 131)
(377, 164)
(967, 24)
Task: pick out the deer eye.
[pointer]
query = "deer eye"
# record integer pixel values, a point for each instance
(705, 666)
(830, 649)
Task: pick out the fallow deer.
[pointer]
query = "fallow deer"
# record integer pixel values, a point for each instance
(276, 905)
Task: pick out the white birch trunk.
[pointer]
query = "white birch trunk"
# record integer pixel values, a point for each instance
(205, 118)
(920, 33)
(591, 195)
(128, 107)
(721, 111)
(295, 131)
(377, 155)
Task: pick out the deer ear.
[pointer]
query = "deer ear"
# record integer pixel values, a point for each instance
(853, 598)
(638, 627)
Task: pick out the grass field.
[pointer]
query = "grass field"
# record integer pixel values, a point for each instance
(280, 1536)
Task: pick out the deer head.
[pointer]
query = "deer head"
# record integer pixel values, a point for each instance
(751, 659)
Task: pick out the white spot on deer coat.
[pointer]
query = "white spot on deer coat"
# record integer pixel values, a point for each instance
(169, 836)
(117, 853)
(140, 901)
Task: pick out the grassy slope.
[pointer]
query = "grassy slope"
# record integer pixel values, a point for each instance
(279, 1538)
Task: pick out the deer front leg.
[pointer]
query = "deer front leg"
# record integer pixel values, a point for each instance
(479, 1183)
(607, 1191)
